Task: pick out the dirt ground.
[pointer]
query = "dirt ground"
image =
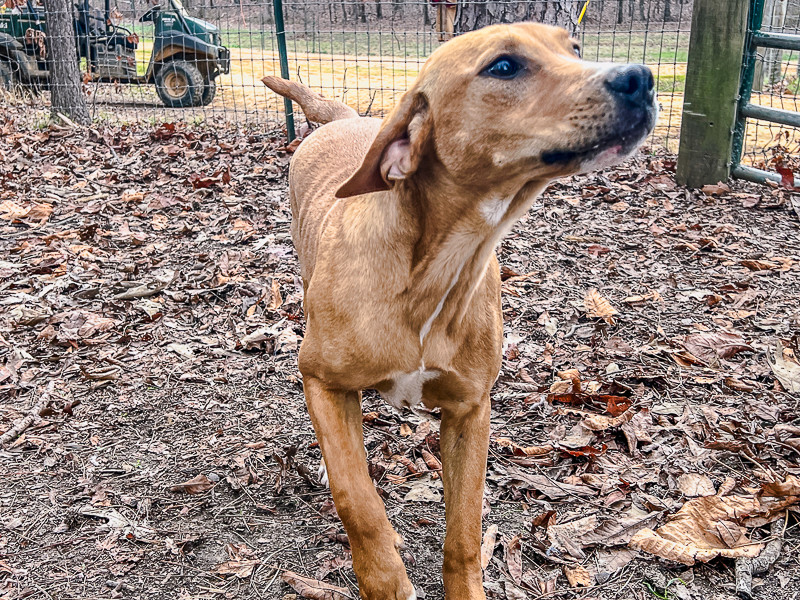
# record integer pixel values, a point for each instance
(150, 314)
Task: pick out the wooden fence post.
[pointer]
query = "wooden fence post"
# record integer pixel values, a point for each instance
(716, 48)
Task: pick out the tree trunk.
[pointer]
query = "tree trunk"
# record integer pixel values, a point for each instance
(66, 95)
(768, 68)
(773, 57)
(477, 14)
(378, 9)
(620, 11)
(362, 11)
(667, 10)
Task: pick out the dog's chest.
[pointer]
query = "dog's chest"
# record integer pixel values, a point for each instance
(405, 390)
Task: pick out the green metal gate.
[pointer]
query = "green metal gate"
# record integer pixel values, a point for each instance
(756, 38)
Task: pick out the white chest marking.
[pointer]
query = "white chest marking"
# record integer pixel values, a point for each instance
(494, 209)
(406, 391)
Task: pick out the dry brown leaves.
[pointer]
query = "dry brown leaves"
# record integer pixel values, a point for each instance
(597, 306)
(488, 545)
(314, 589)
(241, 561)
(518, 450)
(578, 576)
(781, 489)
(786, 367)
(696, 484)
(712, 526)
(709, 347)
(513, 555)
(196, 485)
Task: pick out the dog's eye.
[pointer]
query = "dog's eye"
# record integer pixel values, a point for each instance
(577, 50)
(504, 67)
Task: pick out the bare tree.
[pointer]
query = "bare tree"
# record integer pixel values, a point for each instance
(66, 95)
(769, 68)
(479, 13)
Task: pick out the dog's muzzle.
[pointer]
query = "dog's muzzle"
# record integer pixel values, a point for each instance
(632, 90)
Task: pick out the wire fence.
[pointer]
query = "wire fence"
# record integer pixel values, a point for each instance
(776, 85)
(190, 60)
(366, 53)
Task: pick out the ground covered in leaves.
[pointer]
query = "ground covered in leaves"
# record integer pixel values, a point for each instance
(646, 431)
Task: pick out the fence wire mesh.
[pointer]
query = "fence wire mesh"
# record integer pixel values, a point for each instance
(137, 58)
(776, 85)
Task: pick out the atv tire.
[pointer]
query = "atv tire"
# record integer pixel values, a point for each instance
(209, 91)
(7, 79)
(179, 84)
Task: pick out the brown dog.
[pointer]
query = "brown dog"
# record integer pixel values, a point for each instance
(395, 223)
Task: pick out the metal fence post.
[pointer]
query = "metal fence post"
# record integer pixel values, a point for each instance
(716, 47)
(280, 33)
(748, 74)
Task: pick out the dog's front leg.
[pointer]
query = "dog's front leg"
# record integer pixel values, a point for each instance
(464, 443)
(337, 421)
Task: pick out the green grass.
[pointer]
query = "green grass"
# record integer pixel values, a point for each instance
(398, 44)
(670, 84)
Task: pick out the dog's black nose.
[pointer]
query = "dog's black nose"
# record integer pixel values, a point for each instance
(634, 83)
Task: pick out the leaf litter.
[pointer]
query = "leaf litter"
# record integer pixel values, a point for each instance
(155, 432)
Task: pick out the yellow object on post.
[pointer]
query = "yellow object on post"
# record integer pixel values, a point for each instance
(583, 11)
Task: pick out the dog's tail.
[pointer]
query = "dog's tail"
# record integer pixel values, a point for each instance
(317, 108)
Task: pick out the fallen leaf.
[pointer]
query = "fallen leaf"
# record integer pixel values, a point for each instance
(551, 488)
(597, 306)
(695, 484)
(711, 346)
(607, 562)
(240, 568)
(578, 576)
(787, 176)
(423, 490)
(691, 534)
(275, 300)
(314, 589)
(196, 485)
(590, 531)
(518, 450)
(759, 265)
(602, 422)
(779, 489)
(785, 367)
(718, 189)
(488, 545)
(640, 299)
(513, 557)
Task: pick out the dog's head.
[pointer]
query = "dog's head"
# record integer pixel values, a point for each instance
(510, 104)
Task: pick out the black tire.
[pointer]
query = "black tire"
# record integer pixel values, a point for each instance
(209, 91)
(179, 84)
(7, 79)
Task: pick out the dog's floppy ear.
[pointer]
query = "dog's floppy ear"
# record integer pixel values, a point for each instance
(396, 150)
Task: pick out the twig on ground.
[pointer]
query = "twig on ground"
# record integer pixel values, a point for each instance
(28, 420)
(747, 567)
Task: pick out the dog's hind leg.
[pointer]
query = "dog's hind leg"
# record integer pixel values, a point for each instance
(464, 442)
(337, 421)
(316, 107)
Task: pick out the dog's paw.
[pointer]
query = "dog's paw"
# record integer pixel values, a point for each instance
(322, 473)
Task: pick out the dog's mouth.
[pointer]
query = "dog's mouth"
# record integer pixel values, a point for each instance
(608, 150)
